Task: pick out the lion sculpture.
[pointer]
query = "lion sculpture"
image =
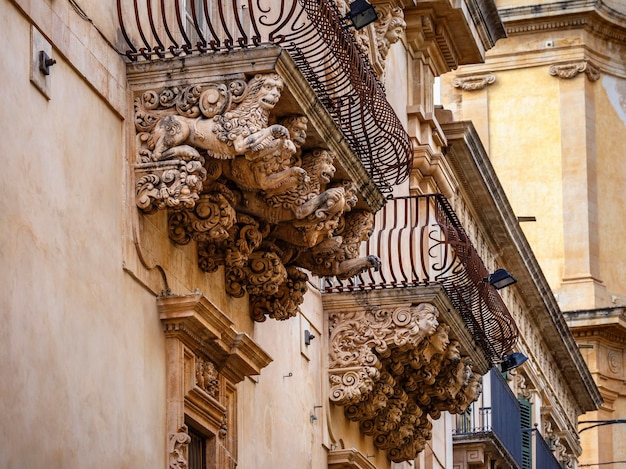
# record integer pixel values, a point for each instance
(223, 133)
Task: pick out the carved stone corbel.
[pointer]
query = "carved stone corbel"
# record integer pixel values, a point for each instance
(358, 341)
(571, 70)
(244, 190)
(178, 443)
(474, 82)
(395, 369)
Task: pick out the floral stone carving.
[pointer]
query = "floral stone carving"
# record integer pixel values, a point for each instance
(394, 371)
(246, 191)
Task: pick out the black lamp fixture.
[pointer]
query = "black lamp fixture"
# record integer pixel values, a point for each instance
(361, 14)
(500, 279)
(511, 361)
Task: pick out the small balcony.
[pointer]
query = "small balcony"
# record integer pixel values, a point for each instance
(316, 37)
(493, 426)
(421, 242)
(413, 338)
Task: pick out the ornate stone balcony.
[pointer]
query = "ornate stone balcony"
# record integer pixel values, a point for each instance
(259, 181)
(267, 158)
(414, 338)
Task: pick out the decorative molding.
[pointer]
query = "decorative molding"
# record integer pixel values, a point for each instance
(348, 459)
(571, 70)
(474, 82)
(201, 326)
(206, 358)
(246, 191)
(394, 370)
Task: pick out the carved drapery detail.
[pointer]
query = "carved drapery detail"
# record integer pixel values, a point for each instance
(396, 369)
(474, 82)
(245, 191)
(571, 70)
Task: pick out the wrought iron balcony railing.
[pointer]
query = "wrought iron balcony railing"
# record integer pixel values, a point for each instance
(420, 241)
(315, 36)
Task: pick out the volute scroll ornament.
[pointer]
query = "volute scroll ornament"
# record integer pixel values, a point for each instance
(571, 70)
(177, 448)
(474, 82)
(237, 181)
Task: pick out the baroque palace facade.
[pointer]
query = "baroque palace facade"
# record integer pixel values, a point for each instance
(248, 238)
(560, 75)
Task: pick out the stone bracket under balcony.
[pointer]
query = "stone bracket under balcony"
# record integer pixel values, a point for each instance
(250, 168)
(397, 359)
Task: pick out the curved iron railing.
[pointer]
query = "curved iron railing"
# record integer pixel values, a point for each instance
(420, 241)
(313, 33)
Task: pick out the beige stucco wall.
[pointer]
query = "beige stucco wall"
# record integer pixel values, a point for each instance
(79, 341)
(82, 352)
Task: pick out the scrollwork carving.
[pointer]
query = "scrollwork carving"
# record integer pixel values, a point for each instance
(571, 70)
(244, 190)
(177, 448)
(379, 362)
(475, 82)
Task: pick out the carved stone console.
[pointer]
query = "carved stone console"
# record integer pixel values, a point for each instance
(206, 358)
(245, 178)
(395, 367)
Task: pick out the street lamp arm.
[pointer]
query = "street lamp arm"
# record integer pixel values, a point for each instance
(599, 423)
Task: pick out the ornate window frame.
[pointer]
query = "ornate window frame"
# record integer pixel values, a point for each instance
(205, 359)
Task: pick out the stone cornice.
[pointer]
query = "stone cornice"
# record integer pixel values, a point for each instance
(595, 15)
(452, 36)
(479, 181)
(199, 324)
(348, 459)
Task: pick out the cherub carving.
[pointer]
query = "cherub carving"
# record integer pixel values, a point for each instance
(223, 135)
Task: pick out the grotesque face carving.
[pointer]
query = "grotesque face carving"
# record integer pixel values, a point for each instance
(270, 92)
(440, 340)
